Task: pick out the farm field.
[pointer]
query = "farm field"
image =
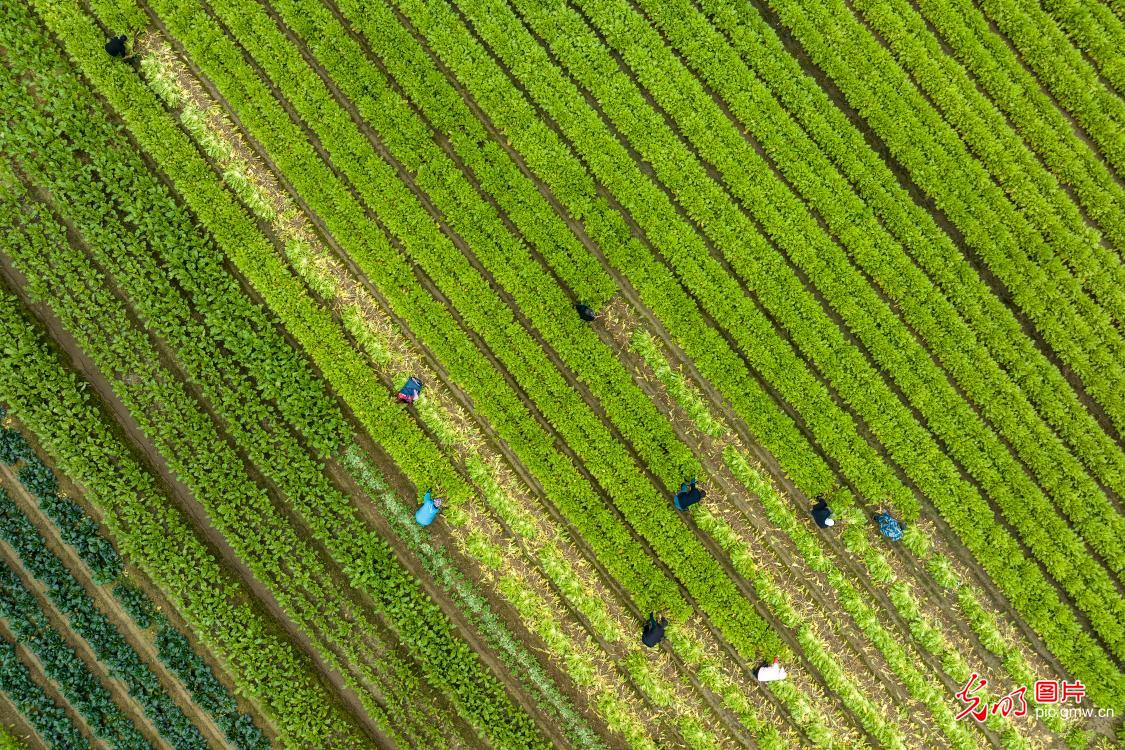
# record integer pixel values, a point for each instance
(275, 274)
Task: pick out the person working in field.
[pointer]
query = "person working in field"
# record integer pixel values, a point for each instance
(654, 631)
(688, 495)
(431, 506)
(409, 393)
(889, 526)
(585, 312)
(116, 46)
(822, 514)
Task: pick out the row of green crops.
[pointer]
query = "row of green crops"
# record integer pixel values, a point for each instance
(1017, 94)
(462, 447)
(578, 593)
(77, 684)
(541, 302)
(92, 625)
(51, 722)
(946, 413)
(750, 57)
(62, 275)
(58, 408)
(397, 128)
(79, 531)
(627, 405)
(1063, 72)
(641, 568)
(370, 565)
(1072, 324)
(993, 141)
(961, 329)
(966, 522)
(242, 109)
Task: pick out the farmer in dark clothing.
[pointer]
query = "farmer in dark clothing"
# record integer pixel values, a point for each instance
(116, 46)
(585, 312)
(654, 631)
(688, 495)
(822, 514)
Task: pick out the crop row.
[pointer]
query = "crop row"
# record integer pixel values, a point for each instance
(1011, 163)
(79, 531)
(622, 392)
(1073, 325)
(62, 289)
(243, 115)
(57, 407)
(89, 623)
(451, 436)
(778, 511)
(602, 156)
(51, 722)
(75, 527)
(1063, 72)
(67, 272)
(78, 685)
(507, 106)
(372, 336)
(507, 260)
(945, 412)
(1095, 30)
(997, 69)
(750, 52)
(370, 564)
(390, 269)
(303, 482)
(856, 537)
